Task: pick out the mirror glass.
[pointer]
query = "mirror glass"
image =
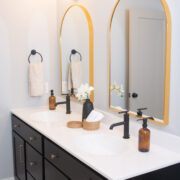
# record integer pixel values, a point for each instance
(138, 57)
(74, 44)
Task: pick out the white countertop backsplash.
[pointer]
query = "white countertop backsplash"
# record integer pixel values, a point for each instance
(165, 148)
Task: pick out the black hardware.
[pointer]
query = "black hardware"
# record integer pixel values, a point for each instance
(139, 111)
(146, 118)
(134, 95)
(73, 52)
(145, 121)
(123, 112)
(34, 52)
(72, 91)
(125, 123)
(67, 102)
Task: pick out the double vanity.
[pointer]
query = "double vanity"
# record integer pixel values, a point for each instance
(45, 148)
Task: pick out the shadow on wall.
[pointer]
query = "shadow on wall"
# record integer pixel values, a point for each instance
(6, 165)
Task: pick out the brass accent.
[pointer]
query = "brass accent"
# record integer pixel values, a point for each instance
(16, 126)
(31, 138)
(32, 164)
(91, 47)
(21, 159)
(53, 156)
(167, 64)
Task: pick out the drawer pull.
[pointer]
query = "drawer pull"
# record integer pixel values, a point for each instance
(32, 164)
(16, 125)
(20, 154)
(32, 138)
(52, 156)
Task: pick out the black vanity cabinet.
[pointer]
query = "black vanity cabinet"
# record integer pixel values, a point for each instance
(37, 158)
(28, 156)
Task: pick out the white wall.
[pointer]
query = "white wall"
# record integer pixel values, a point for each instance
(24, 25)
(100, 12)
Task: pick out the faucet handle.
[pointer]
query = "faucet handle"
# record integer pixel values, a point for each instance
(66, 94)
(139, 111)
(123, 112)
(146, 118)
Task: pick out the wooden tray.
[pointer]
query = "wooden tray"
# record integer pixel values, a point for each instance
(74, 124)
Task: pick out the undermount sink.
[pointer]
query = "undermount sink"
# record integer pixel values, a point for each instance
(97, 144)
(47, 116)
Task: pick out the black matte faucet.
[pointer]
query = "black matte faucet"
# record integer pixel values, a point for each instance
(67, 102)
(125, 123)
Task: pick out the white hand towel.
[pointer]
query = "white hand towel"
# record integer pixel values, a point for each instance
(75, 75)
(36, 79)
(94, 116)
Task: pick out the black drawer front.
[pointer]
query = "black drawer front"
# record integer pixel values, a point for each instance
(68, 164)
(52, 173)
(19, 157)
(29, 134)
(34, 163)
(29, 177)
(17, 125)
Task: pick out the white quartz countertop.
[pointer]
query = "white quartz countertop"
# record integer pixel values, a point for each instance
(124, 165)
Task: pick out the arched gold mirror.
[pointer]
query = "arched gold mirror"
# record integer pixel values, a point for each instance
(76, 50)
(139, 58)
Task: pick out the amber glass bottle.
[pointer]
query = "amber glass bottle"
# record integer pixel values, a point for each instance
(52, 101)
(144, 138)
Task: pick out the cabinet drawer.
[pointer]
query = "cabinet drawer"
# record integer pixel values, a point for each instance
(34, 163)
(29, 177)
(17, 125)
(68, 164)
(52, 173)
(29, 134)
(19, 157)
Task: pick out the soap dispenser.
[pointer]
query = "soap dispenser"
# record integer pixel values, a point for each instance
(144, 136)
(52, 101)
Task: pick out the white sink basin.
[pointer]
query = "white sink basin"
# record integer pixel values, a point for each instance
(101, 144)
(47, 116)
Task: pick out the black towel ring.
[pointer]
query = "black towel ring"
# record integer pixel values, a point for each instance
(34, 52)
(73, 52)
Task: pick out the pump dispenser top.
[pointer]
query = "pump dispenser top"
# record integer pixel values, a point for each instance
(144, 123)
(52, 92)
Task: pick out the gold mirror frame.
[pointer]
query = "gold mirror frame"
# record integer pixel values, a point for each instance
(91, 47)
(167, 63)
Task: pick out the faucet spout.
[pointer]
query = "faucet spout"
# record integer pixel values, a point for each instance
(68, 105)
(116, 124)
(125, 123)
(58, 103)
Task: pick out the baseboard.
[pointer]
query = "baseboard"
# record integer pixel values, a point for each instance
(10, 178)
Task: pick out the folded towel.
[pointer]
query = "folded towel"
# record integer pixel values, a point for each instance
(94, 116)
(75, 75)
(36, 79)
